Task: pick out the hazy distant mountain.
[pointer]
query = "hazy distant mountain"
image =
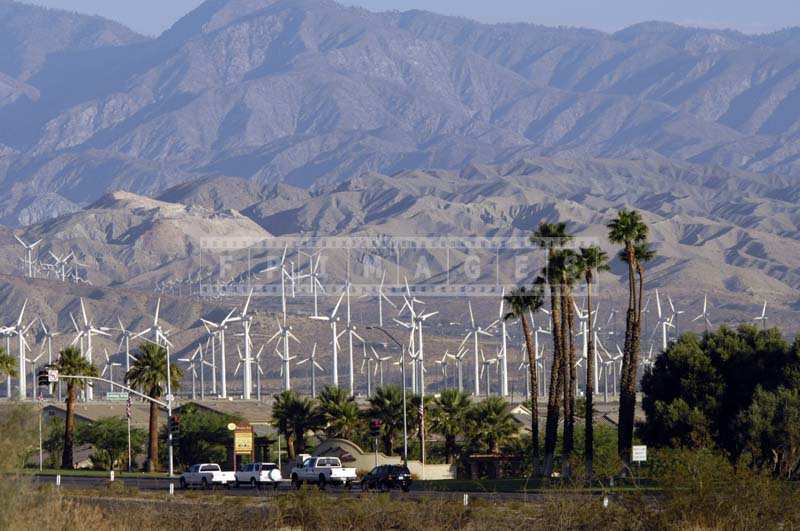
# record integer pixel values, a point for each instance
(308, 91)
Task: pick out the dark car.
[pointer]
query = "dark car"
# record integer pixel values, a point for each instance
(387, 477)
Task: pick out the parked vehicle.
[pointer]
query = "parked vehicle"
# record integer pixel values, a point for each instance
(322, 471)
(387, 477)
(207, 476)
(257, 475)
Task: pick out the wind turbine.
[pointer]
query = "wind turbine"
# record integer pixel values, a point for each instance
(663, 323)
(29, 253)
(443, 363)
(48, 340)
(247, 322)
(416, 344)
(763, 316)
(380, 361)
(312, 368)
(86, 333)
(459, 358)
(220, 329)
(190, 361)
(366, 361)
(704, 315)
(350, 331)
(502, 356)
(333, 320)
(485, 364)
(382, 297)
(314, 280)
(282, 337)
(125, 339)
(60, 265)
(108, 368)
(474, 332)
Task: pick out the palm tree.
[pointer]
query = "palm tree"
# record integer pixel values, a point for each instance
(294, 416)
(448, 416)
(342, 417)
(8, 365)
(420, 422)
(520, 301)
(568, 269)
(552, 237)
(386, 405)
(592, 260)
(148, 374)
(491, 423)
(72, 363)
(628, 229)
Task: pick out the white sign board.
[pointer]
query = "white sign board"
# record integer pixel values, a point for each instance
(52, 376)
(639, 454)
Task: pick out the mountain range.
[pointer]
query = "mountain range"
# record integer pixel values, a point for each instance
(265, 118)
(309, 91)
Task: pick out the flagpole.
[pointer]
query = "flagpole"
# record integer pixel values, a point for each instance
(128, 414)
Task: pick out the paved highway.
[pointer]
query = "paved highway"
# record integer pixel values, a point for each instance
(161, 484)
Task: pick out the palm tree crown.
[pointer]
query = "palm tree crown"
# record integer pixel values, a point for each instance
(627, 227)
(149, 371)
(342, 417)
(8, 365)
(491, 424)
(294, 416)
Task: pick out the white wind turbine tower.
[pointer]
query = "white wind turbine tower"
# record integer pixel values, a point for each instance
(763, 316)
(675, 314)
(220, 329)
(704, 315)
(485, 365)
(29, 261)
(366, 362)
(333, 320)
(48, 340)
(443, 364)
(125, 339)
(108, 368)
(315, 284)
(350, 330)
(380, 361)
(382, 297)
(312, 368)
(247, 323)
(60, 265)
(459, 359)
(416, 344)
(282, 337)
(663, 323)
(190, 362)
(259, 372)
(211, 341)
(86, 334)
(502, 356)
(474, 332)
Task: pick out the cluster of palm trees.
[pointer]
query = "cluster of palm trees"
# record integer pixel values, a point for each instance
(148, 374)
(565, 268)
(462, 424)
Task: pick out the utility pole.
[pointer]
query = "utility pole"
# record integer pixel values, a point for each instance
(403, 370)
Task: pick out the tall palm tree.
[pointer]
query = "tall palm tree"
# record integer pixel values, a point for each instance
(592, 260)
(567, 261)
(520, 301)
(629, 229)
(491, 423)
(72, 363)
(342, 417)
(294, 416)
(148, 374)
(448, 416)
(386, 405)
(552, 237)
(8, 365)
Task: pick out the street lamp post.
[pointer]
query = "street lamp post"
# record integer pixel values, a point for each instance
(403, 370)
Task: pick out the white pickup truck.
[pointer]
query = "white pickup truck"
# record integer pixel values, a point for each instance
(207, 476)
(322, 471)
(257, 475)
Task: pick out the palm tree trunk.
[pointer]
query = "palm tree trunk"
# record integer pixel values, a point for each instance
(69, 428)
(534, 386)
(568, 314)
(627, 398)
(556, 385)
(152, 447)
(589, 431)
(290, 447)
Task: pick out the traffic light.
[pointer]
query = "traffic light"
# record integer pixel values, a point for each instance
(375, 427)
(42, 379)
(175, 426)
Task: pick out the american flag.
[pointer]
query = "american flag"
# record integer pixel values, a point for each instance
(128, 408)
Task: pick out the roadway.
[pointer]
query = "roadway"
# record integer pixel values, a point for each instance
(162, 485)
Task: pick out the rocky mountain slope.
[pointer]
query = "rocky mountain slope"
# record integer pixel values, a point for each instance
(309, 91)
